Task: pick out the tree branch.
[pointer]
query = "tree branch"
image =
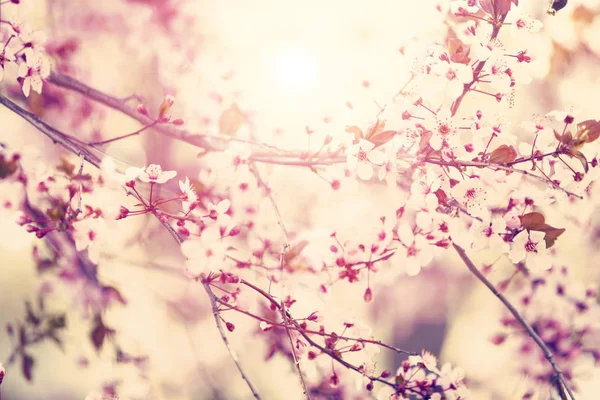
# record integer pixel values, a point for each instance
(68, 142)
(234, 357)
(560, 378)
(77, 147)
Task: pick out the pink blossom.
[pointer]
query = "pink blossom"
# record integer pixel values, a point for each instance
(204, 254)
(444, 130)
(188, 194)
(361, 157)
(7, 56)
(153, 173)
(531, 248)
(33, 71)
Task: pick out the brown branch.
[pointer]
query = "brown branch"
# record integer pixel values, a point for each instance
(68, 142)
(480, 164)
(560, 378)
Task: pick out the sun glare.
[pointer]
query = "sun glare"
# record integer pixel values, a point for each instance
(295, 69)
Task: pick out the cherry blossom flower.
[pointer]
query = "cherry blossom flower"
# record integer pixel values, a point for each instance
(216, 210)
(189, 196)
(32, 39)
(417, 254)
(33, 71)
(88, 235)
(519, 22)
(422, 191)
(6, 56)
(564, 116)
(150, 174)
(531, 248)
(486, 235)
(444, 130)
(204, 254)
(361, 157)
(473, 196)
(455, 77)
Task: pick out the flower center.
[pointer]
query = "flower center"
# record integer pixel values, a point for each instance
(362, 155)
(444, 129)
(531, 247)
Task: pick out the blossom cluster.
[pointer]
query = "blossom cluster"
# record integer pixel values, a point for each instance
(566, 320)
(23, 55)
(456, 175)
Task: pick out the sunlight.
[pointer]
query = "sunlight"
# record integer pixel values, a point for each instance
(295, 69)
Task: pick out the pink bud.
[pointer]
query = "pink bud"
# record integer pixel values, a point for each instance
(142, 109)
(369, 386)
(334, 380)
(368, 296)
(498, 339)
(170, 100)
(386, 374)
(178, 122)
(235, 231)
(230, 326)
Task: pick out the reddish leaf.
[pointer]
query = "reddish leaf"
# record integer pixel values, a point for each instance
(503, 154)
(382, 138)
(356, 131)
(578, 155)
(100, 332)
(295, 251)
(7, 167)
(375, 129)
(457, 51)
(165, 106)
(552, 234)
(588, 130)
(441, 196)
(533, 221)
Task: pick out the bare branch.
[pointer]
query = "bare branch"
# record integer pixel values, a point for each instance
(234, 357)
(560, 378)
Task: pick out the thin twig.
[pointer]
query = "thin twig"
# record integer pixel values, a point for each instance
(234, 357)
(560, 379)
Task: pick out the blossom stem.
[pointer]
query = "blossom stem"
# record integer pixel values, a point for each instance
(560, 378)
(477, 70)
(103, 142)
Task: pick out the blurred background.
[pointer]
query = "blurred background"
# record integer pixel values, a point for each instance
(289, 65)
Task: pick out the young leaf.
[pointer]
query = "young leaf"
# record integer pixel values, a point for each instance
(588, 130)
(578, 155)
(533, 221)
(382, 138)
(231, 120)
(503, 154)
(356, 131)
(552, 234)
(295, 251)
(375, 129)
